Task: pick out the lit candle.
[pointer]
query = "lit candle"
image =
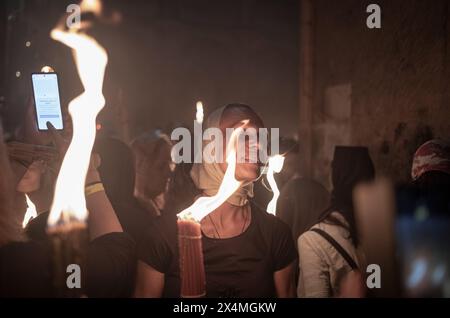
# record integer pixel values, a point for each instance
(192, 271)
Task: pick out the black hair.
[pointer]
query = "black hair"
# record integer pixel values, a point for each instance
(350, 167)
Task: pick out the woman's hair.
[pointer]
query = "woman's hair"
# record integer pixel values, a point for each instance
(10, 229)
(182, 189)
(350, 167)
(301, 203)
(116, 168)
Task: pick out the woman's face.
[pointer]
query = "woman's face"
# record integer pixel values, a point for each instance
(153, 171)
(248, 161)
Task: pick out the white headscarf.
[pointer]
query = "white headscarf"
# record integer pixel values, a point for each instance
(208, 176)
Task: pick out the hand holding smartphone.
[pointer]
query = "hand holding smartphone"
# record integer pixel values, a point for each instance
(47, 100)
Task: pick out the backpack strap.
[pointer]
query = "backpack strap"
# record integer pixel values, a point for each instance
(338, 247)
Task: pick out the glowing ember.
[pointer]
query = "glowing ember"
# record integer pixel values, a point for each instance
(31, 212)
(275, 165)
(205, 205)
(69, 201)
(199, 114)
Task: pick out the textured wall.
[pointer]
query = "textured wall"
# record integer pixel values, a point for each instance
(397, 80)
(387, 89)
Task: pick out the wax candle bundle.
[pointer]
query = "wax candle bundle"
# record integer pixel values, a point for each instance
(192, 270)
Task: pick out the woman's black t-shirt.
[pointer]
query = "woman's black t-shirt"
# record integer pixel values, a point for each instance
(241, 266)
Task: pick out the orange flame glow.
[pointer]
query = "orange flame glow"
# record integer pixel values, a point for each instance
(47, 69)
(275, 166)
(31, 212)
(69, 200)
(94, 6)
(205, 205)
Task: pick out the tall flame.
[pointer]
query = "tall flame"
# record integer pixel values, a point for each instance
(275, 165)
(69, 200)
(205, 205)
(31, 212)
(199, 114)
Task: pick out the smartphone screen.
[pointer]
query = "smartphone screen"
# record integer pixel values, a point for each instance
(46, 100)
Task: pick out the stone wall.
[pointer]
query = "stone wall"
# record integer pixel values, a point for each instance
(384, 88)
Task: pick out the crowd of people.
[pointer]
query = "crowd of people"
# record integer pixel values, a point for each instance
(311, 248)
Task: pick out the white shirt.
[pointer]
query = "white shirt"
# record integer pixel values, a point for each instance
(321, 265)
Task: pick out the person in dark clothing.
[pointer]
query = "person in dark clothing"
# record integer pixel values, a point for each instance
(25, 266)
(153, 168)
(118, 176)
(181, 189)
(350, 166)
(430, 174)
(301, 203)
(422, 225)
(247, 252)
(240, 266)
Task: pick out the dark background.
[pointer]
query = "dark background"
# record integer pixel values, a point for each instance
(166, 55)
(387, 88)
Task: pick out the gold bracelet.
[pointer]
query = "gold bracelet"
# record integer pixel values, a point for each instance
(93, 188)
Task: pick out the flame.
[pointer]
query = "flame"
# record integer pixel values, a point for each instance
(275, 165)
(205, 205)
(47, 69)
(31, 212)
(94, 6)
(69, 200)
(199, 114)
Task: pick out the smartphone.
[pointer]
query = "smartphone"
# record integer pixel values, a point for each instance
(47, 100)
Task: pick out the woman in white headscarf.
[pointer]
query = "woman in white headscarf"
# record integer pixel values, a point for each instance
(247, 252)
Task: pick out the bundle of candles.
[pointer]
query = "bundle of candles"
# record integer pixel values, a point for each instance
(192, 271)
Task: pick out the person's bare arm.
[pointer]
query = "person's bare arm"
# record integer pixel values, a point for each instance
(285, 281)
(149, 282)
(102, 218)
